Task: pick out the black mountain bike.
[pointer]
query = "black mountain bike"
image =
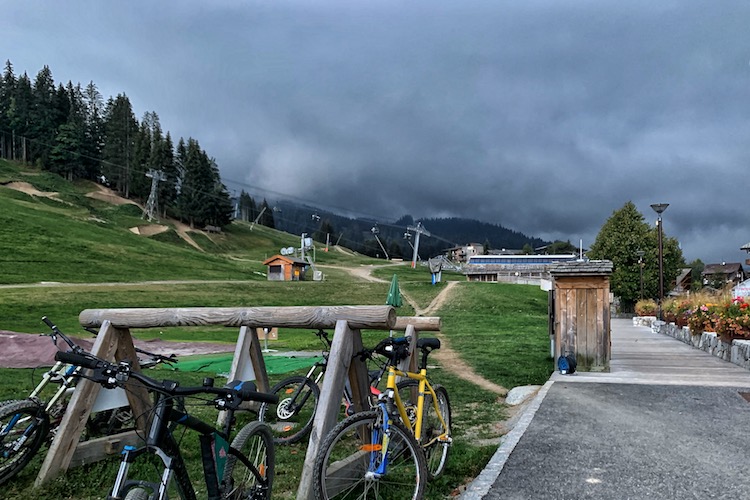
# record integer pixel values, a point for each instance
(244, 469)
(292, 418)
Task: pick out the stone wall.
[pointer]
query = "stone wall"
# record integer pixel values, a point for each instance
(737, 351)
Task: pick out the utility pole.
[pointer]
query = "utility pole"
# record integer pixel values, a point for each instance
(151, 204)
(257, 218)
(420, 231)
(375, 230)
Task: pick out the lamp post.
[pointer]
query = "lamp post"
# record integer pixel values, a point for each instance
(659, 208)
(640, 254)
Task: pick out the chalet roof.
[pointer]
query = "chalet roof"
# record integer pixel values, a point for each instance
(582, 268)
(684, 274)
(723, 268)
(285, 258)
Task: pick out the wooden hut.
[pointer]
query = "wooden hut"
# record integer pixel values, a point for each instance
(581, 300)
(285, 268)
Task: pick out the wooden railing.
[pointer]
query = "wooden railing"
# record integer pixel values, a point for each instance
(114, 342)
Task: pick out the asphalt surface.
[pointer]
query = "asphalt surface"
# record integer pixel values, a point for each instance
(667, 422)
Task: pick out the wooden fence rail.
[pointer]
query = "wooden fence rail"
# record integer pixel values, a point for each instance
(369, 317)
(115, 343)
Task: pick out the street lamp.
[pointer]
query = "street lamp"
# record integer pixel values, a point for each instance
(640, 254)
(659, 208)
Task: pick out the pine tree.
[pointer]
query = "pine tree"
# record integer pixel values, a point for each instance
(44, 117)
(20, 118)
(140, 185)
(93, 144)
(196, 180)
(7, 90)
(619, 240)
(267, 218)
(172, 177)
(120, 130)
(65, 155)
(248, 210)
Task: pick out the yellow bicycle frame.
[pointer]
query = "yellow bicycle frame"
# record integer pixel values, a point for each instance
(424, 385)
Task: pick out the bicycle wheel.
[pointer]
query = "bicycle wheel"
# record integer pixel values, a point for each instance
(291, 419)
(24, 426)
(349, 462)
(137, 494)
(435, 451)
(256, 443)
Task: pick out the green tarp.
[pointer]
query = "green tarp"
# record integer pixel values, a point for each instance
(222, 363)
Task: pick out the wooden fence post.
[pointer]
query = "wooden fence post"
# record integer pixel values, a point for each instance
(110, 344)
(329, 403)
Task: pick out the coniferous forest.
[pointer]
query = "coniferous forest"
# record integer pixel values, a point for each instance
(72, 131)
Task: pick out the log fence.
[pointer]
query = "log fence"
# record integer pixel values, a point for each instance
(114, 343)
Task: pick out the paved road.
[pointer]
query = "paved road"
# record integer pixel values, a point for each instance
(667, 422)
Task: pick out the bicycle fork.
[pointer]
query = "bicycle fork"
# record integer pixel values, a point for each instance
(378, 447)
(129, 455)
(28, 431)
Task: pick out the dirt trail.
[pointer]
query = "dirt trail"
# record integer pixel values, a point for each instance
(446, 355)
(110, 196)
(449, 358)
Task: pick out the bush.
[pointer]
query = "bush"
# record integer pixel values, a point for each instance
(645, 307)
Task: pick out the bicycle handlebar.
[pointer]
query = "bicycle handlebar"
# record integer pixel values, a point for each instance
(111, 375)
(73, 358)
(155, 358)
(57, 332)
(397, 348)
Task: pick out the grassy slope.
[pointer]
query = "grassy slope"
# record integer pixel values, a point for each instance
(499, 329)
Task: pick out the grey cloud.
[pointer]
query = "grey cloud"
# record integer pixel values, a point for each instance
(539, 115)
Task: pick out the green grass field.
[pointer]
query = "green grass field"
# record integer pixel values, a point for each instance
(499, 330)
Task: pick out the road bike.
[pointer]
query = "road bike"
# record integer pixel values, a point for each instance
(26, 424)
(292, 418)
(244, 469)
(389, 452)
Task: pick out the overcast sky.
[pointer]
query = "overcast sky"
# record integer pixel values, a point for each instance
(542, 116)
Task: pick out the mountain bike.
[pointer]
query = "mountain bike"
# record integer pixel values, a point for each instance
(26, 424)
(292, 418)
(427, 409)
(392, 451)
(389, 452)
(244, 469)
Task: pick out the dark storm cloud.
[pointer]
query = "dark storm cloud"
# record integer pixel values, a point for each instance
(541, 116)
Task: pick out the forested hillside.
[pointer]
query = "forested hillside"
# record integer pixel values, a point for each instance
(360, 234)
(73, 131)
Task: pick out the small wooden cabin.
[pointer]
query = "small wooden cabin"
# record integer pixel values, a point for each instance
(285, 268)
(580, 305)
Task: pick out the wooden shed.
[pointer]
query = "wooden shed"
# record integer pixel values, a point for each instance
(581, 315)
(285, 268)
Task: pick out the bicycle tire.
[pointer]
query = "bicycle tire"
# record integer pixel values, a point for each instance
(28, 433)
(289, 425)
(406, 473)
(180, 476)
(137, 494)
(255, 441)
(435, 452)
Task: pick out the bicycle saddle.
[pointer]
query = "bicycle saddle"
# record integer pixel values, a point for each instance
(428, 343)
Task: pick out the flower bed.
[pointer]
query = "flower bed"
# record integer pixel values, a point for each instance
(728, 317)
